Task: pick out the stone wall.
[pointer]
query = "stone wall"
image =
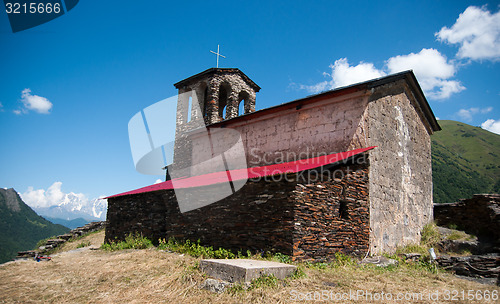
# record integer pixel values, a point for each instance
(333, 215)
(209, 94)
(299, 132)
(400, 172)
(293, 214)
(58, 241)
(388, 117)
(479, 215)
(257, 217)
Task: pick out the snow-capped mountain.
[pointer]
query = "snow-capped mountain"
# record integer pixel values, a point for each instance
(72, 207)
(55, 203)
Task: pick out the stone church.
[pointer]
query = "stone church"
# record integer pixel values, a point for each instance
(346, 170)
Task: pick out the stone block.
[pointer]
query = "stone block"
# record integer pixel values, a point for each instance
(244, 270)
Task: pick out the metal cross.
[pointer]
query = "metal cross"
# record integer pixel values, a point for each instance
(218, 54)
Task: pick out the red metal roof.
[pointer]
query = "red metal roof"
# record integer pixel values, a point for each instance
(241, 174)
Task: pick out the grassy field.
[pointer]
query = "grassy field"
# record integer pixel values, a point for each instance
(82, 275)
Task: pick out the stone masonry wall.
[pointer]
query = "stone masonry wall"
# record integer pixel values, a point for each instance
(388, 117)
(324, 127)
(292, 214)
(257, 217)
(479, 215)
(205, 94)
(400, 171)
(333, 215)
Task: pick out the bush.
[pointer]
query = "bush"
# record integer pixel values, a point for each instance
(430, 235)
(264, 281)
(195, 249)
(136, 241)
(282, 258)
(342, 260)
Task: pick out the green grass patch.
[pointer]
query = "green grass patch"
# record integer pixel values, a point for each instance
(264, 281)
(195, 249)
(459, 235)
(340, 260)
(136, 241)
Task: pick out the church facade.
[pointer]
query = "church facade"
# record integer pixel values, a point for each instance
(373, 199)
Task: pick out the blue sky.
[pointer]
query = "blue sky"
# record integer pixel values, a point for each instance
(70, 86)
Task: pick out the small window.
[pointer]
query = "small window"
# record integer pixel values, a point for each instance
(343, 210)
(190, 108)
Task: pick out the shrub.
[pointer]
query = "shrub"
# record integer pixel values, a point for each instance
(136, 241)
(342, 260)
(282, 258)
(430, 235)
(195, 249)
(264, 281)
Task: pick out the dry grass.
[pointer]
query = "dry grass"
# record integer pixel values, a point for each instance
(153, 276)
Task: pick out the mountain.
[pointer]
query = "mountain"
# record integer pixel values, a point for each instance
(72, 224)
(465, 161)
(20, 227)
(73, 207)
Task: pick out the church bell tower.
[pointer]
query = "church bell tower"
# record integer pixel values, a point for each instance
(223, 93)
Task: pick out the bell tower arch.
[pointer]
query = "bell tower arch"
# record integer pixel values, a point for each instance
(219, 92)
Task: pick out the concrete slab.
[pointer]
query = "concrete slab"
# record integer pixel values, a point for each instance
(244, 270)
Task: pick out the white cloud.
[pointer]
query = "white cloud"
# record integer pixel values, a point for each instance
(17, 112)
(466, 114)
(344, 74)
(428, 63)
(158, 181)
(491, 125)
(432, 70)
(35, 103)
(477, 31)
(44, 198)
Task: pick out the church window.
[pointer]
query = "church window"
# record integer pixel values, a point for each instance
(343, 210)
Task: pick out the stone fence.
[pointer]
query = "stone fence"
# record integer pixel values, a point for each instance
(479, 215)
(51, 244)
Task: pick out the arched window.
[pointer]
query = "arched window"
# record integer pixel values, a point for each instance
(190, 108)
(223, 96)
(242, 99)
(203, 99)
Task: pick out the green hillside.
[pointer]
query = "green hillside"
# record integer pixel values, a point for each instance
(20, 227)
(465, 161)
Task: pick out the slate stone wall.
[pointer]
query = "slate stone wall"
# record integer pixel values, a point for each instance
(333, 215)
(479, 215)
(257, 217)
(295, 214)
